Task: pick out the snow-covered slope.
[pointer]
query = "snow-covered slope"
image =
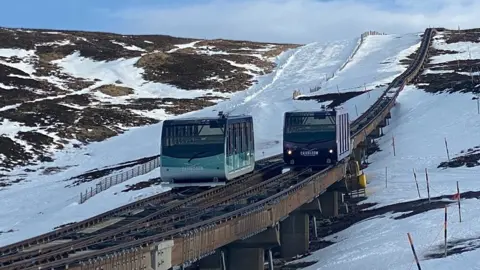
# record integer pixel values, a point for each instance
(66, 89)
(420, 124)
(266, 101)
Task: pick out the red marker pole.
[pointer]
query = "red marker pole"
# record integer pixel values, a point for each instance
(445, 234)
(458, 201)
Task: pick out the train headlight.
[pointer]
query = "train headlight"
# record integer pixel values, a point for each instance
(330, 151)
(289, 152)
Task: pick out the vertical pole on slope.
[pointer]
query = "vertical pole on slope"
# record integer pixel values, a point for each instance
(458, 202)
(338, 89)
(416, 182)
(386, 177)
(478, 104)
(446, 148)
(413, 250)
(393, 145)
(445, 231)
(428, 184)
(356, 109)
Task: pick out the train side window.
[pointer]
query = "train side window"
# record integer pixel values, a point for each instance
(244, 137)
(247, 135)
(342, 134)
(347, 135)
(237, 138)
(240, 137)
(232, 138)
(227, 133)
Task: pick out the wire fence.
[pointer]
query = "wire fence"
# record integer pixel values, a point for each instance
(116, 179)
(359, 44)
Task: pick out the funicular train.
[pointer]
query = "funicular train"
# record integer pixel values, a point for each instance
(206, 151)
(316, 139)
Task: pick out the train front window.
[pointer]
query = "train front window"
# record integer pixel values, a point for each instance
(305, 129)
(193, 140)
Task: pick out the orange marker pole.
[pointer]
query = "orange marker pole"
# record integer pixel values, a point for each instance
(413, 250)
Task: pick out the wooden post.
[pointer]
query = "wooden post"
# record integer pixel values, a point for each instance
(413, 250)
(393, 145)
(446, 148)
(386, 177)
(445, 231)
(416, 182)
(458, 202)
(428, 184)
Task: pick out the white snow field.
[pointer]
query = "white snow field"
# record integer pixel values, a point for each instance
(41, 203)
(420, 124)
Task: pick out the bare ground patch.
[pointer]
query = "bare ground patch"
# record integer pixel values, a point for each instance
(468, 158)
(447, 77)
(335, 98)
(114, 90)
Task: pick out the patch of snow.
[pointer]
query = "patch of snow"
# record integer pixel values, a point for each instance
(108, 72)
(245, 66)
(128, 47)
(183, 46)
(59, 43)
(24, 55)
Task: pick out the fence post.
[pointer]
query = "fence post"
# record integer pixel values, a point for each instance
(428, 184)
(386, 177)
(445, 234)
(416, 182)
(393, 145)
(458, 201)
(446, 148)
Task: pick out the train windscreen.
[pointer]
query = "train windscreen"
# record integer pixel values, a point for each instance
(305, 129)
(193, 140)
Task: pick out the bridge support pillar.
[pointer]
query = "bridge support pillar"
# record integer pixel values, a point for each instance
(294, 235)
(329, 202)
(376, 133)
(215, 261)
(249, 253)
(246, 258)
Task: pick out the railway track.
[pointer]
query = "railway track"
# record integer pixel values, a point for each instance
(229, 204)
(229, 200)
(155, 214)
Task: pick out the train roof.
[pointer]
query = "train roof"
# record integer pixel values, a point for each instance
(318, 112)
(208, 118)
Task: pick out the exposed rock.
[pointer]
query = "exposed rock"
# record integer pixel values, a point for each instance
(115, 90)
